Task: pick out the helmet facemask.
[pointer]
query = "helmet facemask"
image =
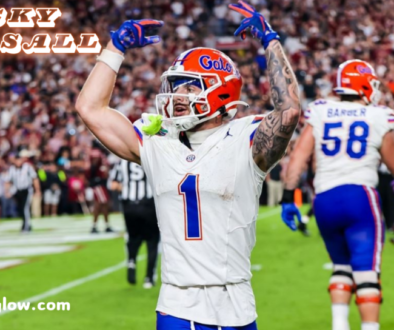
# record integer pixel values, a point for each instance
(376, 93)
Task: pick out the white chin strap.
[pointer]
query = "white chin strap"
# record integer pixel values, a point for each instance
(184, 124)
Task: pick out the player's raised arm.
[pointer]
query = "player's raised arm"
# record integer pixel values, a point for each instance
(273, 134)
(112, 128)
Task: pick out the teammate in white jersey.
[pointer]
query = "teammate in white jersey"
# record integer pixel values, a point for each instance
(350, 138)
(205, 170)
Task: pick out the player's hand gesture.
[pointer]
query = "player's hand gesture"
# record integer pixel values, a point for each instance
(152, 124)
(254, 21)
(289, 211)
(131, 34)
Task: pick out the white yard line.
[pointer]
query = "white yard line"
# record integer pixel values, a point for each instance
(10, 263)
(268, 214)
(32, 240)
(75, 283)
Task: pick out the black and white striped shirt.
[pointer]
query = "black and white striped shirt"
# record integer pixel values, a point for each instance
(22, 177)
(135, 186)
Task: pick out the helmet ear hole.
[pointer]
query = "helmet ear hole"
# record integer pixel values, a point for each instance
(224, 96)
(366, 88)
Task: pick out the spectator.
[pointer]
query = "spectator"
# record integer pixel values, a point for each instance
(76, 189)
(50, 185)
(98, 176)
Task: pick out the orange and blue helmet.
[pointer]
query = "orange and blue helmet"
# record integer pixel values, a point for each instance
(356, 77)
(217, 77)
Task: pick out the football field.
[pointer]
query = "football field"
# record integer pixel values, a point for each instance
(61, 262)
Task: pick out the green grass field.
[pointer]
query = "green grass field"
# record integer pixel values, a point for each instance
(289, 281)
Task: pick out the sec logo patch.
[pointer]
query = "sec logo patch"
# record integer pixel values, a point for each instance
(190, 158)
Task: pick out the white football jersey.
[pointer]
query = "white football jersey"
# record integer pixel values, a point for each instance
(348, 137)
(207, 203)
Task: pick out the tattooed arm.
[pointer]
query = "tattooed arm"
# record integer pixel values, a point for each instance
(274, 132)
(302, 151)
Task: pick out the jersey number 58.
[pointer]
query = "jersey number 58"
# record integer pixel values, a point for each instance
(358, 133)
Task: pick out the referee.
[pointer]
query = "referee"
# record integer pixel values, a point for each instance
(140, 216)
(20, 179)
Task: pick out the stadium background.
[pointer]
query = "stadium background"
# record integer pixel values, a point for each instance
(37, 98)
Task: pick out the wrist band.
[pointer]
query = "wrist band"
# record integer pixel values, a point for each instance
(112, 59)
(288, 196)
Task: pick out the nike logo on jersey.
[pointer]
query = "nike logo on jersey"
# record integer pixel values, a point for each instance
(228, 134)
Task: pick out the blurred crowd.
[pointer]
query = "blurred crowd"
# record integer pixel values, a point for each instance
(38, 92)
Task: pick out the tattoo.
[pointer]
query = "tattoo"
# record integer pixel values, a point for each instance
(287, 129)
(274, 132)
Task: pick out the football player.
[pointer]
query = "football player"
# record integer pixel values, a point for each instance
(349, 138)
(206, 171)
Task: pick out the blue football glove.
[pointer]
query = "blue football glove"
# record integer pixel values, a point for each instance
(131, 34)
(254, 21)
(289, 211)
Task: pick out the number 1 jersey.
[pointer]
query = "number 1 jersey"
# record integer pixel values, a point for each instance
(348, 137)
(206, 201)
